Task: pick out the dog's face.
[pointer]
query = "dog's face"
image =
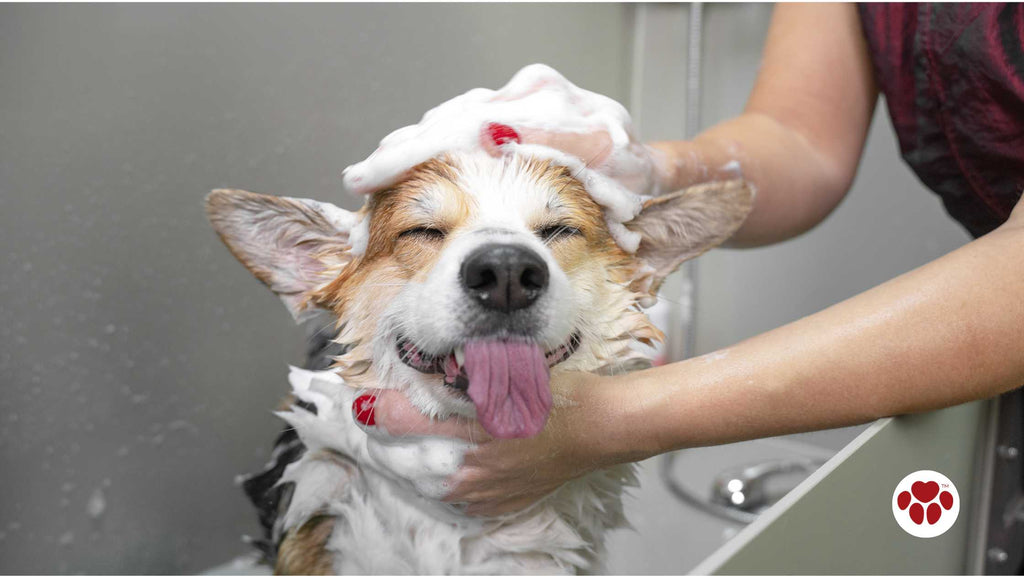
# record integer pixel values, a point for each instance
(479, 275)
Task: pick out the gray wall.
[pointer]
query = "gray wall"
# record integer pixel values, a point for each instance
(139, 362)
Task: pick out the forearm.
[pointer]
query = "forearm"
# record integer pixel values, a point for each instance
(949, 332)
(795, 185)
(800, 138)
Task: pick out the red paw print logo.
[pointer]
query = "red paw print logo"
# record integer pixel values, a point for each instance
(925, 504)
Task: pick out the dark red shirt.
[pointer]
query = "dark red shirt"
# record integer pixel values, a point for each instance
(953, 80)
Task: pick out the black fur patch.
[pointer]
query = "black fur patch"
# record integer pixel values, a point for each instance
(270, 498)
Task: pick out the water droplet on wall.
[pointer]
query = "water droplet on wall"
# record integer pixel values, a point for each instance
(96, 505)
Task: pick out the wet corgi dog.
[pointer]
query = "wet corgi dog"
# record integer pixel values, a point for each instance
(465, 285)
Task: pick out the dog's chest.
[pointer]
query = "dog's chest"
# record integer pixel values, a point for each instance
(381, 527)
(382, 500)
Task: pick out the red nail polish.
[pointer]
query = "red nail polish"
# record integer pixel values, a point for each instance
(502, 134)
(362, 409)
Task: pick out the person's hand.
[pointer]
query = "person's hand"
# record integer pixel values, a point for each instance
(538, 112)
(504, 476)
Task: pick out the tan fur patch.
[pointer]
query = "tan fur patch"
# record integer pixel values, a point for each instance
(582, 212)
(680, 226)
(428, 198)
(304, 550)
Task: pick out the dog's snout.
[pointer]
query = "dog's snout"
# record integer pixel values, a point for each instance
(504, 277)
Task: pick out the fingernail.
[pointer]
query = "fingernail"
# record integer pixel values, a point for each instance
(362, 410)
(502, 134)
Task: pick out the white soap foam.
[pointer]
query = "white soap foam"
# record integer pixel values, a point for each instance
(732, 168)
(537, 98)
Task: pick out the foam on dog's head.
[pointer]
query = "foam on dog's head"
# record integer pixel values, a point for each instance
(537, 98)
(661, 229)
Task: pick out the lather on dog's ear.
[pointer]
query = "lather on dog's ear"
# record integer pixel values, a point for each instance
(682, 225)
(292, 245)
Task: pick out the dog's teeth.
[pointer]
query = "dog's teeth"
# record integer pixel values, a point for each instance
(460, 356)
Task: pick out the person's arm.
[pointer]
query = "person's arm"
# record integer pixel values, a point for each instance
(800, 138)
(949, 332)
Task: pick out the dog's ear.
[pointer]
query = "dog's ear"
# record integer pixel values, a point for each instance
(292, 245)
(682, 225)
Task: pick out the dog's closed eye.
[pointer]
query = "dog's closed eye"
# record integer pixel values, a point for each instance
(558, 232)
(423, 233)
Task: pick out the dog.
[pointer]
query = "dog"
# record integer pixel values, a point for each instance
(468, 262)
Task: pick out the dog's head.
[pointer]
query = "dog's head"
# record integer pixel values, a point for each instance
(474, 276)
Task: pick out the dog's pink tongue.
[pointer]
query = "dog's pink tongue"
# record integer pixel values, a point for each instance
(508, 383)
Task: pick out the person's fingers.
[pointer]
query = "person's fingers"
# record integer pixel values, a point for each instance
(363, 178)
(391, 411)
(494, 136)
(592, 148)
(475, 486)
(465, 486)
(501, 507)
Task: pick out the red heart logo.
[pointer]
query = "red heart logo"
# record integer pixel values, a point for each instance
(925, 491)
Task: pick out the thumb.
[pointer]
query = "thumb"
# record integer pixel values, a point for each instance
(391, 412)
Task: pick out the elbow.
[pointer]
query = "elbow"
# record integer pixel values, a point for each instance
(806, 181)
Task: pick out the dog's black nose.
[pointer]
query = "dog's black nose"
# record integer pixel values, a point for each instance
(504, 277)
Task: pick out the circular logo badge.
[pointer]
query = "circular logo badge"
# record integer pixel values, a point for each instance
(925, 504)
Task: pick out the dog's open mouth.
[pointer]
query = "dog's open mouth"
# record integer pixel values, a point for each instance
(507, 379)
(453, 364)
